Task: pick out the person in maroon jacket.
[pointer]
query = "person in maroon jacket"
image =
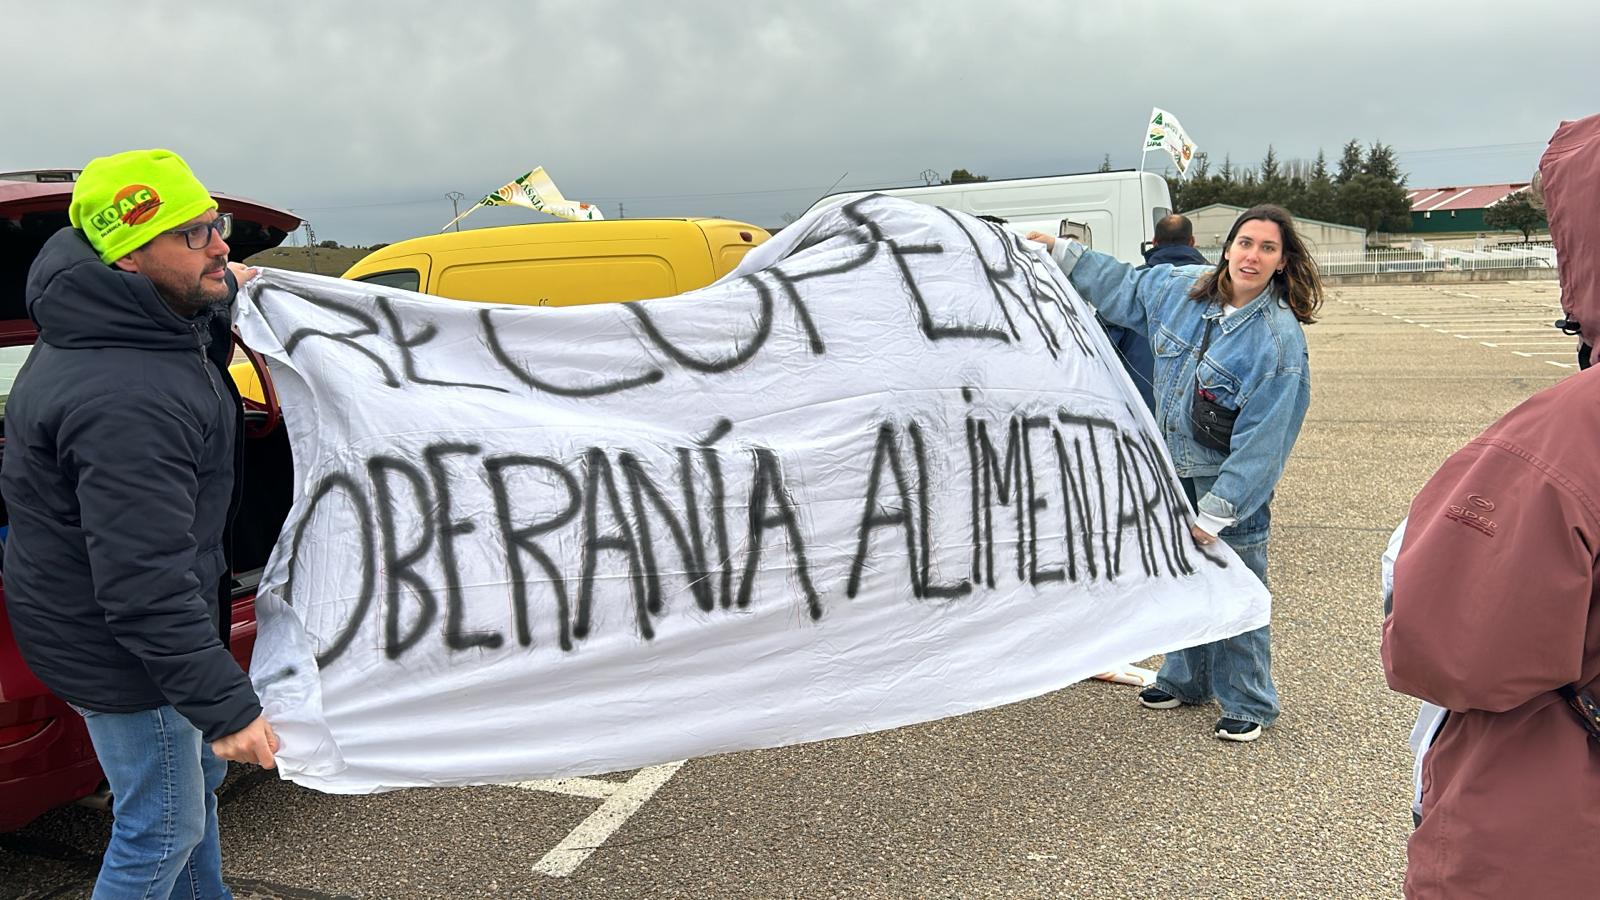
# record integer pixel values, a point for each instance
(1569, 174)
(1496, 615)
(1495, 610)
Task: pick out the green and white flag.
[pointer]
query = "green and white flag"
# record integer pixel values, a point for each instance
(535, 191)
(1166, 134)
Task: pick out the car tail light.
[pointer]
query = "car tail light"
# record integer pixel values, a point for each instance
(746, 236)
(16, 734)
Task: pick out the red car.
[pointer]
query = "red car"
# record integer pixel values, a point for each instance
(46, 759)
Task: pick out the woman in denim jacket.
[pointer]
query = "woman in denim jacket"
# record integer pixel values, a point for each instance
(1234, 333)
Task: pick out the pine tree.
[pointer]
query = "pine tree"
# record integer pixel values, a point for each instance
(1351, 162)
(1375, 204)
(1319, 199)
(1269, 167)
(1380, 163)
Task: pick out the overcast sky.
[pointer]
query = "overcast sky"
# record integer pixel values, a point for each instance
(362, 116)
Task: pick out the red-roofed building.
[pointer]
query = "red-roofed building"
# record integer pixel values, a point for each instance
(1454, 209)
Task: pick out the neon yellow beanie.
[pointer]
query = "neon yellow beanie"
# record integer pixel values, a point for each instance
(123, 201)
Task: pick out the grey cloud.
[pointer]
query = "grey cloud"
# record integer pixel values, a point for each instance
(362, 115)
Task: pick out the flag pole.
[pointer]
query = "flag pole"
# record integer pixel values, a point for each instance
(463, 215)
(1144, 140)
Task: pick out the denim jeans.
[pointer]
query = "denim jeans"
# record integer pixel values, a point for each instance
(163, 779)
(1236, 672)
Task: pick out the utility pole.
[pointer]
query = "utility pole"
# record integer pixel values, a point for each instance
(455, 209)
(311, 247)
(620, 212)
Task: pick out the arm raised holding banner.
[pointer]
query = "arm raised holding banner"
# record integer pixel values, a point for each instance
(1123, 295)
(1232, 385)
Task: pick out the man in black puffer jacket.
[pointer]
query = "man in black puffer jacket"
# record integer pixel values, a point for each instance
(120, 476)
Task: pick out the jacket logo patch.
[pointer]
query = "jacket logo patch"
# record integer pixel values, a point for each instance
(1472, 519)
(1480, 502)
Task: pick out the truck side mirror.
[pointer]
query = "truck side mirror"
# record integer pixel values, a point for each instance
(1077, 231)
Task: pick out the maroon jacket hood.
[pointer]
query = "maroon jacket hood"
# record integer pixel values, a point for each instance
(1570, 171)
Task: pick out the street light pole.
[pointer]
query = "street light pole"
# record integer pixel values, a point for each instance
(455, 210)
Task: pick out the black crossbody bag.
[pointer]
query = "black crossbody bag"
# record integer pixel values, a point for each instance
(1212, 422)
(1584, 704)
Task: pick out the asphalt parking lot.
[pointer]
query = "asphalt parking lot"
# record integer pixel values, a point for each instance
(1080, 793)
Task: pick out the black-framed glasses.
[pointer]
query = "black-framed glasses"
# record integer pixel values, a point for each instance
(196, 237)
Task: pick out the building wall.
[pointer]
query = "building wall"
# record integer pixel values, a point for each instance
(1448, 220)
(1464, 220)
(1211, 224)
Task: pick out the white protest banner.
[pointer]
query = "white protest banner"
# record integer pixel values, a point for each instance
(889, 470)
(1164, 133)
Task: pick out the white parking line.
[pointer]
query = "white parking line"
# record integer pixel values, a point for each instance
(1495, 323)
(1522, 319)
(1570, 345)
(593, 788)
(621, 800)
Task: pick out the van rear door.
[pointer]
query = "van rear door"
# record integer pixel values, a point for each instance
(729, 241)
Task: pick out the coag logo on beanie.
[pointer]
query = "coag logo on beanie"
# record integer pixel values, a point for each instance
(133, 205)
(127, 200)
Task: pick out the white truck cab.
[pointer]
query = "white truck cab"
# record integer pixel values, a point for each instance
(1114, 212)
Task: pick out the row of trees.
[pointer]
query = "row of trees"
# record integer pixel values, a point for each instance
(1367, 189)
(335, 245)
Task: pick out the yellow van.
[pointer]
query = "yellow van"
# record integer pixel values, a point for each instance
(564, 263)
(557, 263)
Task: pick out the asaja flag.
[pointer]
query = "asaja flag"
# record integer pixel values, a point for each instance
(535, 191)
(1166, 134)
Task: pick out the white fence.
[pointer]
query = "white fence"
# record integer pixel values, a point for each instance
(1425, 257)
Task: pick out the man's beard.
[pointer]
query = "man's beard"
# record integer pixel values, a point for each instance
(189, 300)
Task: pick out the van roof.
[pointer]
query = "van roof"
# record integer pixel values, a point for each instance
(498, 235)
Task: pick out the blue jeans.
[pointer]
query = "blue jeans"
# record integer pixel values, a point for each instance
(164, 781)
(1236, 672)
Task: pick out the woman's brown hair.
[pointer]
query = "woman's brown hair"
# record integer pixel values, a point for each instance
(1299, 283)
